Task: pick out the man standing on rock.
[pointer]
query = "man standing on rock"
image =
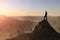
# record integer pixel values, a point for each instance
(45, 17)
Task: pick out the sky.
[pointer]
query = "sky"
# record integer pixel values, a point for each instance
(29, 7)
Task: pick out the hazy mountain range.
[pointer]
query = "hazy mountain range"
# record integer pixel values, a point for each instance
(12, 26)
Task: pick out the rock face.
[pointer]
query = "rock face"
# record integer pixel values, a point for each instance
(43, 31)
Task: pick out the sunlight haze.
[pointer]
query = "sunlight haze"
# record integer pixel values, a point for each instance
(29, 7)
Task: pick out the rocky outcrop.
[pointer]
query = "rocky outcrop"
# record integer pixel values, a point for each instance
(44, 31)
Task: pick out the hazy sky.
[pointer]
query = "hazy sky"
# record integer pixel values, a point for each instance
(29, 7)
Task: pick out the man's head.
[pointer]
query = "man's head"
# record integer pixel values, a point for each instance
(45, 12)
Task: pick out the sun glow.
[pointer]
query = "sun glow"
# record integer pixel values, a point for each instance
(2, 12)
(4, 8)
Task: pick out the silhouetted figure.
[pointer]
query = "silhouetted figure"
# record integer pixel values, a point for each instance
(45, 17)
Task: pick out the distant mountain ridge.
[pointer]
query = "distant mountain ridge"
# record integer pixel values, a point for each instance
(10, 27)
(14, 26)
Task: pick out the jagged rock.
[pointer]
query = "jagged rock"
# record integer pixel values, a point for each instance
(44, 31)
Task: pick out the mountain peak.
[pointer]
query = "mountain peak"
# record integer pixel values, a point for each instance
(44, 31)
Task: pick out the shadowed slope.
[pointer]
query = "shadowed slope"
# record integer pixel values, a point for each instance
(44, 31)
